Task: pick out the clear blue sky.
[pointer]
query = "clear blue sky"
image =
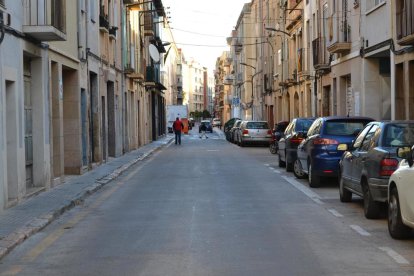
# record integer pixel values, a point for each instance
(201, 22)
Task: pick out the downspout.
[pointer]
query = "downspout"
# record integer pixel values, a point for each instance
(123, 25)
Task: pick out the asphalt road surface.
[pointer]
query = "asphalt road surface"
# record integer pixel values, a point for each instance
(208, 207)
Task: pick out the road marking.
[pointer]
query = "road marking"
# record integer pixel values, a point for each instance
(360, 231)
(308, 192)
(212, 150)
(335, 213)
(397, 257)
(49, 240)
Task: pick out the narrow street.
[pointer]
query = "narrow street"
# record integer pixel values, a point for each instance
(209, 207)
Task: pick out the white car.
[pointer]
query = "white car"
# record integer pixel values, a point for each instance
(216, 122)
(401, 196)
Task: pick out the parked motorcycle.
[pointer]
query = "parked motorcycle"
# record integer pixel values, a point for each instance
(277, 133)
(273, 147)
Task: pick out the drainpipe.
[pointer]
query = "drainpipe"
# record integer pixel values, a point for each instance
(123, 24)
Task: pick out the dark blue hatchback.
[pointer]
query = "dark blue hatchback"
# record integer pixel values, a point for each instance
(318, 155)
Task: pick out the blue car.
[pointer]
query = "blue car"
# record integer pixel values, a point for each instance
(318, 155)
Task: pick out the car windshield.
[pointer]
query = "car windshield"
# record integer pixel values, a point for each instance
(207, 123)
(396, 135)
(343, 128)
(303, 125)
(257, 125)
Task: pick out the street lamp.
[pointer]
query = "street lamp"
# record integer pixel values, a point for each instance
(252, 79)
(276, 30)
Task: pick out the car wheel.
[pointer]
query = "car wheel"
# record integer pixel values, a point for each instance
(297, 170)
(396, 227)
(314, 180)
(371, 207)
(242, 143)
(272, 148)
(281, 163)
(344, 194)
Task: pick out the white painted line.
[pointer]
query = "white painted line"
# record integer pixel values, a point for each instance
(335, 213)
(308, 192)
(277, 171)
(397, 257)
(360, 231)
(267, 165)
(212, 150)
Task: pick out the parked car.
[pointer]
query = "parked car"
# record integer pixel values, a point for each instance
(216, 122)
(255, 132)
(234, 131)
(318, 154)
(367, 164)
(207, 123)
(289, 142)
(401, 195)
(277, 133)
(227, 126)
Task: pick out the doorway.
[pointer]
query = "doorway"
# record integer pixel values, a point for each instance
(28, 121)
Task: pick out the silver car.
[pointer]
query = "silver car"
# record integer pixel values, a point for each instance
(254, 132)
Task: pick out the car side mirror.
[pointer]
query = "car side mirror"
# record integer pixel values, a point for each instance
(342, 147)
(406, 153)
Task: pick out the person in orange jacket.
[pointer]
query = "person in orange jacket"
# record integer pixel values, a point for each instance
(177, 128)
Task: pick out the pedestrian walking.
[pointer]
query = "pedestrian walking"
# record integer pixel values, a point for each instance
(203, 129)
(177, 128)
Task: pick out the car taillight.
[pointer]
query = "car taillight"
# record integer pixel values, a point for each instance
(388, 166)
(325, 141)
(296, 140)
(245, 132)
(269, 132)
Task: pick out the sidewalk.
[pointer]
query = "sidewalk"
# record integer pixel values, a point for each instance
(22, 221)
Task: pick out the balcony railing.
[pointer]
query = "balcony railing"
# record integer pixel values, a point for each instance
(103, 20)
(45, 20)
(148, 24)
(320, 55)
(405, 26)
(152, 74)
(340, 38)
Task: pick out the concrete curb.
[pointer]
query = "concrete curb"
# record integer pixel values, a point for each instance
(37, 224)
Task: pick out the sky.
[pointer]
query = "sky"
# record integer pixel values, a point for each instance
(203, 22)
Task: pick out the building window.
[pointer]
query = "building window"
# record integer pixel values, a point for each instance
(2, 3)
(373, 3)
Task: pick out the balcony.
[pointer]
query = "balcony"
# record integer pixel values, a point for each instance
(152, 79)
(405, 27)
(228, 80)
(340, 38)
(45, 20)
(320, 55)
(103, 21)
(112, 32)
(148, 25)
(238, 45)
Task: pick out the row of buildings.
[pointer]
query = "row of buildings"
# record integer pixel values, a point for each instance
(82, 81)
(292, 58)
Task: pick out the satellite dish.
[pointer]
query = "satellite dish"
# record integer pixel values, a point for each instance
(153, 51)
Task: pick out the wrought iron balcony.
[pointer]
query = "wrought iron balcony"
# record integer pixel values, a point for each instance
(320, 55)
(45, 20)
(340, 39)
